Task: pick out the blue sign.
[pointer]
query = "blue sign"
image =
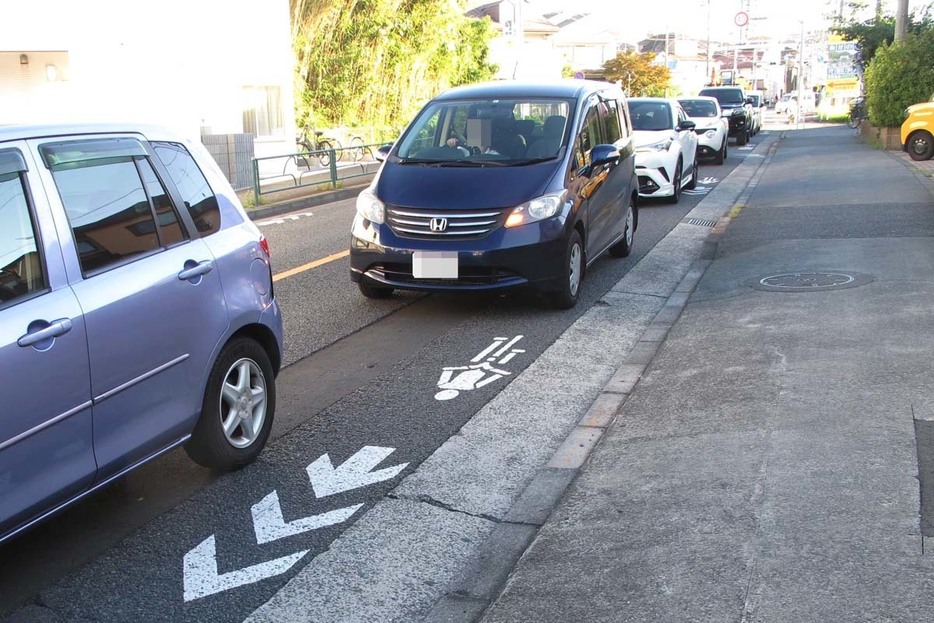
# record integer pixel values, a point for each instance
(579, 75)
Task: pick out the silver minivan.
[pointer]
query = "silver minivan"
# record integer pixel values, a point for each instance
(136, 313)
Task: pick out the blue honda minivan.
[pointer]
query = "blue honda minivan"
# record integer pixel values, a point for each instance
(136, 313)
(501, 185)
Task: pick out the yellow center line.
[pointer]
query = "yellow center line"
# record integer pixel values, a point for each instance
(310, 265)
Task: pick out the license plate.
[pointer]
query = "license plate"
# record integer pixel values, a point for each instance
(434, 264)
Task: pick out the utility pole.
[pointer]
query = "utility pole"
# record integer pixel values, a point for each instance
(799, 113)
(707, 76)
(901, 20)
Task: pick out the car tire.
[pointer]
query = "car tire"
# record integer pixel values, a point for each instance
(374, 292)
(624, 247)
(721, 154)
(567, 296)
(676, 184)
(223, 438)
(692, 184)
(920, 145)
(743, 138)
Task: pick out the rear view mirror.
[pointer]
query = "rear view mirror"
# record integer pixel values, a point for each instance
(603, 154)
(687, 124)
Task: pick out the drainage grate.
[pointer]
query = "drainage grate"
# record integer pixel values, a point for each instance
(701, 222)
(809, 282)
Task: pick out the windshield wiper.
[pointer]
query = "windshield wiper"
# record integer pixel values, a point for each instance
(523, 162)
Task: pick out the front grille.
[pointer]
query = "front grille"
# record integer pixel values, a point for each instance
(467, 275)
(434, 224)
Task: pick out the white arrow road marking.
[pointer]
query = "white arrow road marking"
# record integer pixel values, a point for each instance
(708, 180)
(353, 473)
(270, 525)
(202, 579)
(696, 191)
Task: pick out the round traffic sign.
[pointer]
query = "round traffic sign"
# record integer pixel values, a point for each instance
(741, 19)
(579, 75)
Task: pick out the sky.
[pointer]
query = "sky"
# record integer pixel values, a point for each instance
(636, 18)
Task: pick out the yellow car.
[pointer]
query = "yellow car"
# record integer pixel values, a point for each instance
(918, 131)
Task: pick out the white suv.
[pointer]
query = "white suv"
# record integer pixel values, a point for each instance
(666, 147)
(711, 128)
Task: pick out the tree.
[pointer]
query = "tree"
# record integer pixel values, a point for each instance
(900, 75)
(638, 73)
(870, 34)
(376, 62)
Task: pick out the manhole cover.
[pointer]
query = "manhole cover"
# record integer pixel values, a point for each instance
(809, 282)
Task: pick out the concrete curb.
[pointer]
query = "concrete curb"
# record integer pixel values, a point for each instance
(487, 573)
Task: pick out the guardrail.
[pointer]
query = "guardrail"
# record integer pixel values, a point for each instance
(273, 174)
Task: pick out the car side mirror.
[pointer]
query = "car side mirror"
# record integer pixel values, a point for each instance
(382, 152)
(687, 125)
(603, 154)
(751, 101)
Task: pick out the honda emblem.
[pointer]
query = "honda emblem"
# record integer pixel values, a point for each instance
(438, 225)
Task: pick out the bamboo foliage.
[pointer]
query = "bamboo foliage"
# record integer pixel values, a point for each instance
(375, 62)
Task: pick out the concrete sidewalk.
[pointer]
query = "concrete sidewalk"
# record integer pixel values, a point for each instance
(768, 465)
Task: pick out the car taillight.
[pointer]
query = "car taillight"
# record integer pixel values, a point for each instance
(264, 245)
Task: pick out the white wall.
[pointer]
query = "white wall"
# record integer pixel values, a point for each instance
(181, 63)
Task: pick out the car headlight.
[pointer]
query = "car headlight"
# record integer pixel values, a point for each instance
(659, 146)
(710, 133)
(537, 209)
(370, 207)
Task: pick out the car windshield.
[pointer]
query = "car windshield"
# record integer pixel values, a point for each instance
(699, 108)
(648, 115)
(725, 96)
(481, 132)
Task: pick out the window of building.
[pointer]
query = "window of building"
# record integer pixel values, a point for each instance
(262, 111)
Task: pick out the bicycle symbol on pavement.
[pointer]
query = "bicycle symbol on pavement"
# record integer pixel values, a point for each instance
(481, 370)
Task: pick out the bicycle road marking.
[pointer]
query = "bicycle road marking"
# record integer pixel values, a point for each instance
(315, 264)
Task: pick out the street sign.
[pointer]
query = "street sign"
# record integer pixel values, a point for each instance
(741, 19)
(579, 75)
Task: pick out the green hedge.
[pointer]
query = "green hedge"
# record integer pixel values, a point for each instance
(900, 75)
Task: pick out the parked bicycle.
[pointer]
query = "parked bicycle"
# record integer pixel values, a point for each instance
(321, 148)
(857, 112)
(359, 150)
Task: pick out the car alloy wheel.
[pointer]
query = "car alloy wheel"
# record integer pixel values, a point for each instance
(921, 145)
(624, 247)
(238, 408)
(567, 296)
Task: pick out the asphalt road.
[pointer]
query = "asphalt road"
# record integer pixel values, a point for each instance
(360, 374)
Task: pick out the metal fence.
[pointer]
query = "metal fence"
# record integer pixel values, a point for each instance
(325, 167)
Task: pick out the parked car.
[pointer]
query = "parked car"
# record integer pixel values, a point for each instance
(756, 99)
(501, 185)
(917, 131)
(136, 313)
(735, 109)
(711, 128)
(666, 147)
(781, 106)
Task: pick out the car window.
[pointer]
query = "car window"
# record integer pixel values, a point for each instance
(650, 116)
(21, 267)
(699, 108)
(192, 185)
(109, 209)
(725, 96)
(479, 130)
(610, 109)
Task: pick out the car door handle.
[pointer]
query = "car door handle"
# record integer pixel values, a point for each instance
(55, 328)
(193, 270)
